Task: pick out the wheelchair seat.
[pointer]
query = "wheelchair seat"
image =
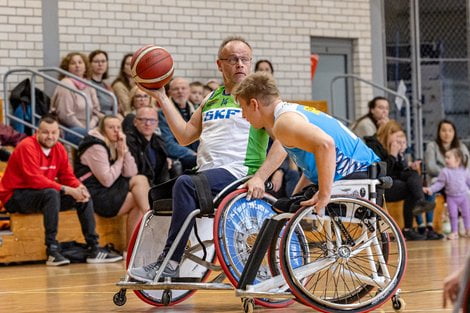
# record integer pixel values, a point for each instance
(160, 197)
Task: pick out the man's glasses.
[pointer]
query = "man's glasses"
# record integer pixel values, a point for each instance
(150, 121)
(235, 60)
(141, 96)
(98, 61)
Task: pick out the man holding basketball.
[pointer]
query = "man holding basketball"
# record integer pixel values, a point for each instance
(229, 149)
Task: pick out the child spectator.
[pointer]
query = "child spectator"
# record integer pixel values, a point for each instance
(196, 93)
(455, 179)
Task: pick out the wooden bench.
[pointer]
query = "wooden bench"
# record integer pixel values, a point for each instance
(25, 242)
(395, 209)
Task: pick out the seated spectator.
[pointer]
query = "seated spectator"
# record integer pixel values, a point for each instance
(146, 147)
(99, 72)
(210, 86)
(206, 90)
(179, 95)
(196, 93)
(213, 84)
(446, 139)
(389, 144)
(70, 106)
(123, 84)
(39, 178)
(139, 99)
(264, 66)
(107, 168)
(377, 116)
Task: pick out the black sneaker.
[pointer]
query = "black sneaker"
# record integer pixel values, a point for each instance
(423, 206)
(147, 273)
(101, 255)
(411, 235)
(432, 235)
(54, 258)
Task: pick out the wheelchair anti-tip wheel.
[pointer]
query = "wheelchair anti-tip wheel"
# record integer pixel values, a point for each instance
(236, 226)
(355, 260)
(151, 244)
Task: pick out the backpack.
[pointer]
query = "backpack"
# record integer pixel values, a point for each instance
(74, 251)
(20, 100)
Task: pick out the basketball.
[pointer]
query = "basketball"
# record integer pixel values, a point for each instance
(152, 67)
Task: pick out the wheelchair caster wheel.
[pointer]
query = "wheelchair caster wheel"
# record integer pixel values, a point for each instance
(119, 297)
(248, 305)
(398, 304)
(166, 297)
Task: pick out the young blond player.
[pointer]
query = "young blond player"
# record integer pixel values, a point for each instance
(320, 145)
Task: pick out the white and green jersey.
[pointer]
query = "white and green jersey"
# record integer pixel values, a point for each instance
(227, 139)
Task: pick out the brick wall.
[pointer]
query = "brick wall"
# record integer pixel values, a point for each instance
(20, 36)
(279, 30)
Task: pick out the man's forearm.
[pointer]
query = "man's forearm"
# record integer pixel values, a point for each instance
(274, 159)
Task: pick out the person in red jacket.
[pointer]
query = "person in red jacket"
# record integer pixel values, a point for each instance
(39, 178)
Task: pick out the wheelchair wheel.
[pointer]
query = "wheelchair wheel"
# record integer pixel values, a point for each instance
(236, 225)
(355, 260)
(154, 232)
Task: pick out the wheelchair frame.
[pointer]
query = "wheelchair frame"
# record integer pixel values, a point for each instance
(184, 283)
(279, 285)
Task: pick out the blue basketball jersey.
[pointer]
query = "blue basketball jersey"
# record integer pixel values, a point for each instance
(352, 155)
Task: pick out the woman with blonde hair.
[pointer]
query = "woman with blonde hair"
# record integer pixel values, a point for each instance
(139, 99)
(390, 144)
(70, 107)
(107, 168)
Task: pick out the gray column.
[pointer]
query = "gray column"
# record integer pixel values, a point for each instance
(50, 34)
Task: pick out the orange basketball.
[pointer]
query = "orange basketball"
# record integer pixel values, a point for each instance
(152, 67)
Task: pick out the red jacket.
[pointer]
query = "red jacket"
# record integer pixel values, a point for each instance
(29, 168)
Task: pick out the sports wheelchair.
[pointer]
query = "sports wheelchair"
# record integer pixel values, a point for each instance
(348, 257)
(234, 224)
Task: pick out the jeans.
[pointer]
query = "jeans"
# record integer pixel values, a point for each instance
(74, 138)
(49, 201)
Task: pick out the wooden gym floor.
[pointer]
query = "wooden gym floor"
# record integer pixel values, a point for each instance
(90, 288)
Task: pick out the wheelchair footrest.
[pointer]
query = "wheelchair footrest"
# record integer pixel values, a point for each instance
(174, 285)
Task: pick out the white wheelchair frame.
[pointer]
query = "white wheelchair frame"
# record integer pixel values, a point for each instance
(351, 191)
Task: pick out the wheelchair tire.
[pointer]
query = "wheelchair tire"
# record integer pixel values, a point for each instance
(236, 225)
(158, 297)
(355, 261)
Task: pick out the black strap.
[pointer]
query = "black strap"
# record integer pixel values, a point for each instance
(203, 192)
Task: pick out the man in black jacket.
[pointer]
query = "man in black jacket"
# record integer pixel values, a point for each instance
(146, 147)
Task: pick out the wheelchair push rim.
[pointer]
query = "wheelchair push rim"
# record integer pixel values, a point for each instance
(236, 225)
(344, 263)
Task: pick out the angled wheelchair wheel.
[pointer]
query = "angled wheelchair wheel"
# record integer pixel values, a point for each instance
(355, 260)
(153, 236)
(236, 225)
